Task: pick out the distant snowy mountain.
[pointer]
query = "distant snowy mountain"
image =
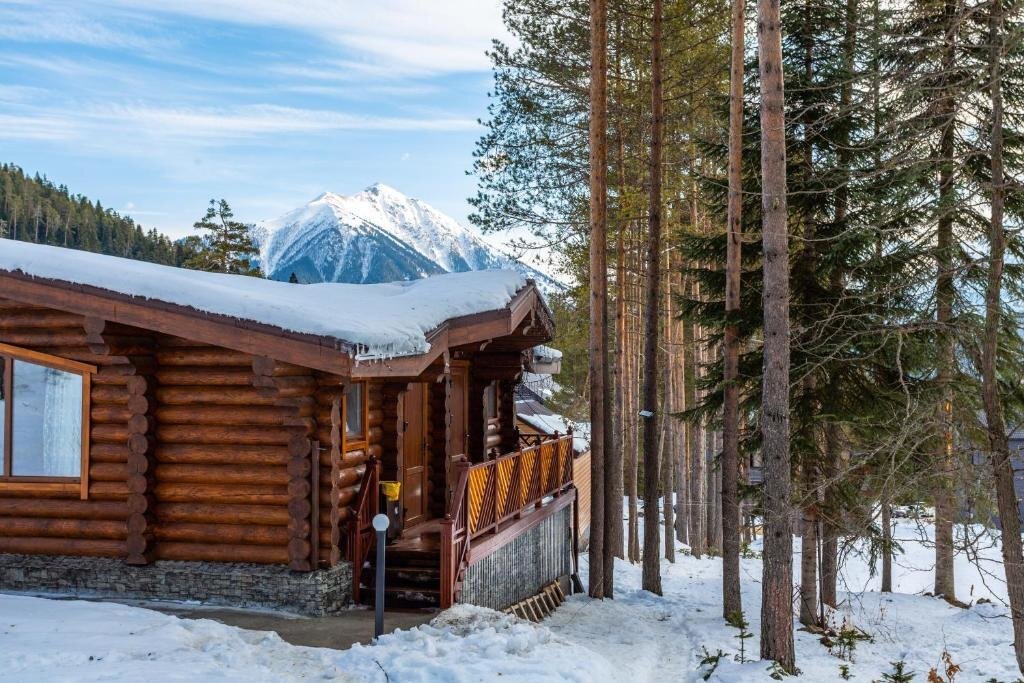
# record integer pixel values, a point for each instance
(377, 235)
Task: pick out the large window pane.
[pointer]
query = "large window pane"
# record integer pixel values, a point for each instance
(354, 410)
(47, 422)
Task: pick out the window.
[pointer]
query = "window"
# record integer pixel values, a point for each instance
(355, 395)
(43, 401)
(491, 401)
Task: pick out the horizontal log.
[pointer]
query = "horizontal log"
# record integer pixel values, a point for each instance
(219, 493)
(344, 514)
(345, 496)
(247, 534)
(62, 546)
(105, 413)
(204, 357)
(113, 394)
(110, 433)
(68, 509)
(222, 474)
(201, 552)
(204, 376)
(222, 415)
(40, 318)
(62, 528)
(102, 471)
(224, 396)
(206, 513)
(201, 454)
(268, 367)
(44, 338)
(108, 490)
(289, 387)
(222, 435)
(107, 452)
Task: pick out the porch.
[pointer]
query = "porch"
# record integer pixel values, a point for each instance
(490, 505)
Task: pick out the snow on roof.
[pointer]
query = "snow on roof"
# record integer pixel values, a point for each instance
(549, 424)
(380, 320)
(549, 353)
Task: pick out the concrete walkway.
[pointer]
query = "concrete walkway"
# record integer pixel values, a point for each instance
(339, 631)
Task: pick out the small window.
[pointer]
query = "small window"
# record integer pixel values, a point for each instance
(354, 402)
(41, 413)
(491, 401)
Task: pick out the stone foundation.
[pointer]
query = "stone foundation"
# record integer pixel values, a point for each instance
(324, 591)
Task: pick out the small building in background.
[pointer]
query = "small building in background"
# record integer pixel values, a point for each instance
(535, 421)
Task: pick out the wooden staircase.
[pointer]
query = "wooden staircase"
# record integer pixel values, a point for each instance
(412, 574)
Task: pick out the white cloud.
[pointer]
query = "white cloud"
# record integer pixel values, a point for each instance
(207, 126)
(408, 36)
(263, 119)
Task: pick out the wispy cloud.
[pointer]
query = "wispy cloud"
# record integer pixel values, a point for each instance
(411, 36)
(209, 126)
(66, 23)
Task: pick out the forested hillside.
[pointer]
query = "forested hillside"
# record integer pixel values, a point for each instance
(34, 209)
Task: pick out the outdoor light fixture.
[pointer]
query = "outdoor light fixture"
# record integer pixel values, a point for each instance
(380, 525)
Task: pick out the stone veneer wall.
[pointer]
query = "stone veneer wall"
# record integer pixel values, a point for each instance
(523, 566)
(316, 593)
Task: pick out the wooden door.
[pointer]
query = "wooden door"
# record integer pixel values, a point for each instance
(415, 472)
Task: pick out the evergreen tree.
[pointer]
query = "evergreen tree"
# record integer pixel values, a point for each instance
(34, 209)
(227, 245)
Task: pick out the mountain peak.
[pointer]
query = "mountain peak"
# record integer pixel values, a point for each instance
(376, 235)
(383, 190)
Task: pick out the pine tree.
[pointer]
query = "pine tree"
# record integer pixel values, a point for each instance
(777, 580)
(227, 245)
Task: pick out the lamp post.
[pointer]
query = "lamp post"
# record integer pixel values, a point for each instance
(380, 525)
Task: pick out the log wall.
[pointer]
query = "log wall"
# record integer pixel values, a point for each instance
(38, 519)
(196, 452)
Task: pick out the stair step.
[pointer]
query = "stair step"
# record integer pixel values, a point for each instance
(405, 576)
(411, 558)
(404, 597)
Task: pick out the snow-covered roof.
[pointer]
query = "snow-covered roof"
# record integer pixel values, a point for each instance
(549, 424)
(546, 353)
(379, 320)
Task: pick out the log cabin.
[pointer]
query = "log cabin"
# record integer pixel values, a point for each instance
(180, 435)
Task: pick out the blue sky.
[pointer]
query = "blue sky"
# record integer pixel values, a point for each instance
(153, 106)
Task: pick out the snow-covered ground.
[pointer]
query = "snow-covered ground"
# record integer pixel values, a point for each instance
(636, 637)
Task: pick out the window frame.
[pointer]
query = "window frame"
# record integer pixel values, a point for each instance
(491, 401)
(57, 485)
(362, 437)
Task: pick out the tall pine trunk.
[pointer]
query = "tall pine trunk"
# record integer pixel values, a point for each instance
(598, 287)
(886, 544)
(652, 558)
(777, 579)
(732, 603)
(1006, 496)
(828, 526)
(943, 490)
(809, 550)
(667, 442)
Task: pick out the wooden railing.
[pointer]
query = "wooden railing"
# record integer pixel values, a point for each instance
(360, 525)
(455, 536)
(508, 485)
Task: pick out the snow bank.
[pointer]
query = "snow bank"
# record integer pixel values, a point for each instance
(66, 640)
(652, 637)
(381, 320)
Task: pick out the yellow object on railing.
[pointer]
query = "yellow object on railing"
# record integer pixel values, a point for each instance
(391, 489)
